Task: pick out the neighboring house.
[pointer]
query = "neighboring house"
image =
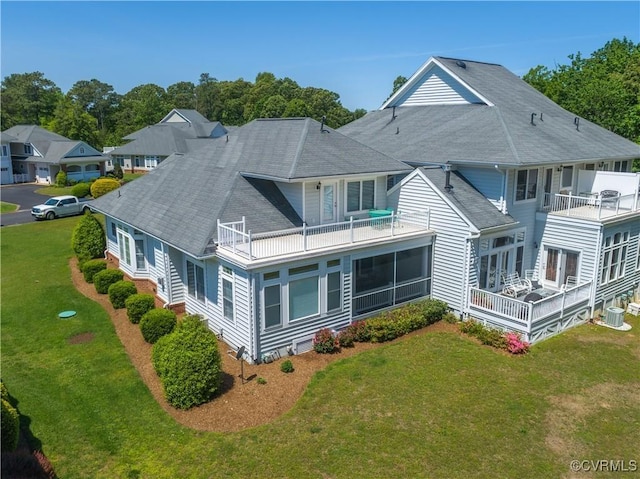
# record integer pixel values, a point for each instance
(6, 168)
(507, 149)
(272, 233)
(37, 155)
(181, 131)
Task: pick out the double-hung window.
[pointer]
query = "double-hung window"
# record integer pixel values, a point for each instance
(526, 184)
(360, 195)
(227, 293)
(195, 281)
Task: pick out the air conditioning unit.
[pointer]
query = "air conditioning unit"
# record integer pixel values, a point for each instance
(614, 317)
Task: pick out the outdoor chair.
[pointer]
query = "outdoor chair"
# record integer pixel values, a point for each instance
(570, 282)
(515, 285)
(609, 198)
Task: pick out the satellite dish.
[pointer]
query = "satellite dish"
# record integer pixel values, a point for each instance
(240, 352)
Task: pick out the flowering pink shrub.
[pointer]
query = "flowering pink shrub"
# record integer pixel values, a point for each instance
(515, 344)
(324, 342)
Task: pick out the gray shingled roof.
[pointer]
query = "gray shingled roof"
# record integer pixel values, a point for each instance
(471, 203)
(36, 135)
(180, 201)
(161, 140)
(501, 134)
(7, 138)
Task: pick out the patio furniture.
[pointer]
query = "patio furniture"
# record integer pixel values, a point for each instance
(609, 198)
(514, 285)
(533, 277)
(570, 282)
(532, 297)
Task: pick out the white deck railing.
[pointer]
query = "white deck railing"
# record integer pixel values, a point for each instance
(385, 297)
(594, 207)
(527, 314)
(235, 237)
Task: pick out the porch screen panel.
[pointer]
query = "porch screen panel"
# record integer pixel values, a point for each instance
(410, 265)
(375, 272)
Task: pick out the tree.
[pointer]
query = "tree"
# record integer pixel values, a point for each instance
(274, 107)
(142, 106)
(182, 95)
(27, 99)
(96, 98)
(603, 88)
(296, 108)
(71, 121)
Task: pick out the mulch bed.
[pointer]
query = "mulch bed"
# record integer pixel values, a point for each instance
(240, 404)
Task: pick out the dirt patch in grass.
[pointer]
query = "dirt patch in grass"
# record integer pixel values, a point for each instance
(568, 412)
(242, 403)
(81, 338)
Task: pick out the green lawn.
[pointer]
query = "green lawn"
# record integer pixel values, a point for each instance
(435, 405)
(7, 207)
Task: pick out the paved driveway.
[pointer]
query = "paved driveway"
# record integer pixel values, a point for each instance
(25, 197)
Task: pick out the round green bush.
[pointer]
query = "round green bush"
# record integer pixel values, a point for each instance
(103, 279)
(91, 267)
(120, 291)
(81, 190)
(287, 366)
(88, 240)
(137, 305)
(10, 425)
(102, 186)
(188, 363)
(157, 323)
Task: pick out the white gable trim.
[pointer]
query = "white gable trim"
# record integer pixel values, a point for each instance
(422, 81)
(171, 115)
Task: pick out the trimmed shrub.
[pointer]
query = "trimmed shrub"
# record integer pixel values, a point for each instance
(10, 426)
(81, 190)
(324, 342)
(156, 323)
(346, 338)
(450, 318)
(102, 186)
(103, 279)
(361, 331)
(188, 363)
(117, 171)
(88, 240)
(137, 305)
(91, 267)
(4, 393)
(286, 366)
(433, 310)
(120, 291)
(61, 179)
(515, 344)
(382, 329)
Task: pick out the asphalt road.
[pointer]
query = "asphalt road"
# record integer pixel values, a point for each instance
(25, 197)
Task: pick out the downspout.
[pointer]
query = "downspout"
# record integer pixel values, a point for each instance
(596, 271)
(503, 200)
(254, 328)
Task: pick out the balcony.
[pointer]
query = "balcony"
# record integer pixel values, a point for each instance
(592, 206)
(234, 238)
(535, 320)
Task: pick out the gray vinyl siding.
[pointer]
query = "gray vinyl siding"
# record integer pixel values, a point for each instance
(293, 193)
(160, 271)
(174, 262)
(578, 236)
(311, 204)
(525, 213)
(450, 263)
(487, 181)
(605, 294)
(437, 88)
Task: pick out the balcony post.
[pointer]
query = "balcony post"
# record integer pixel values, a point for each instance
(304, 236)
(250, 246)
(393, 217)
(351, 228)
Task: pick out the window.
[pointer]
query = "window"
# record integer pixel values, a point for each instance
(114, 233)
(4, 150)
(621, 166)
(334, 285)
(82, 150)
(304, 292)
(140, 261)
(360, 195)
(125, 246)
(27, 149)
(590, 166)
(195, 281)
(526, 184)
(227, 299)
(151, 161)
(272, 306)
(614, 257)
(92, 167)
(567, 177)
(74, 169)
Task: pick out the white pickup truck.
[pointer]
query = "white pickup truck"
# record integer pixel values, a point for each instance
(58, 206)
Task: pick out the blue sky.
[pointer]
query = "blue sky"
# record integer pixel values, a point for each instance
(355, 49)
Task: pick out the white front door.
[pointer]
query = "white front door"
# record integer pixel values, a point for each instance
(328, 203)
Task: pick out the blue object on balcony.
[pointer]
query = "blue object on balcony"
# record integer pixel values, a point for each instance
(379, 213)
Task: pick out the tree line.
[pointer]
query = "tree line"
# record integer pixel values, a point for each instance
(603, 88)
